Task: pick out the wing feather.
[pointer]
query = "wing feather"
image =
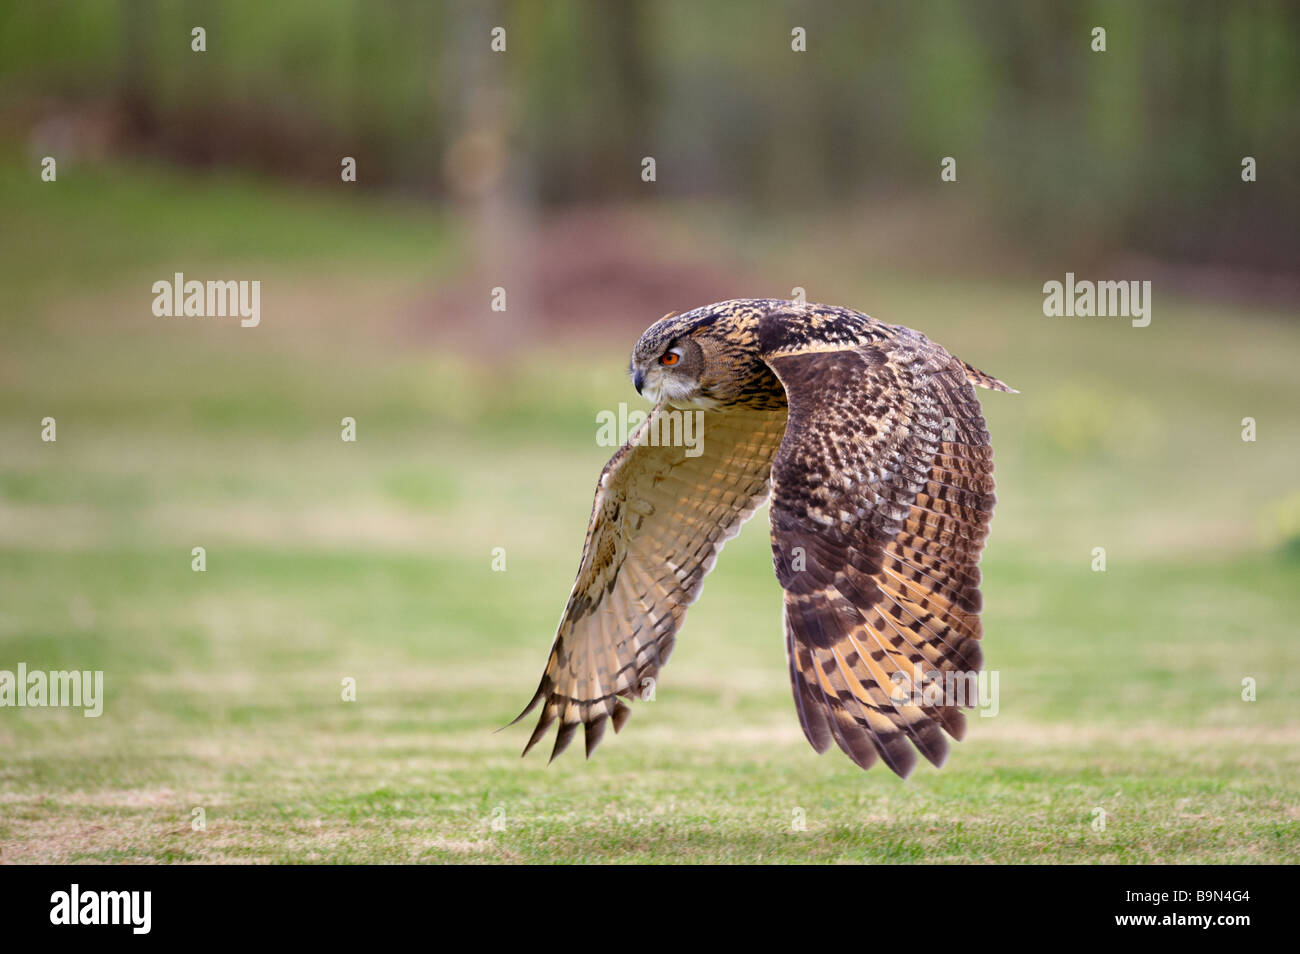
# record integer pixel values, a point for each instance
(658, 522)
(882, 498)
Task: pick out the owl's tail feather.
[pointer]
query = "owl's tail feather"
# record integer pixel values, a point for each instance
(980, 379)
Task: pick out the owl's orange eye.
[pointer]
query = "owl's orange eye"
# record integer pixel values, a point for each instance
(670, 358)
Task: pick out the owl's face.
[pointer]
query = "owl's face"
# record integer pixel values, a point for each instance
(669, 369)
(696, 361)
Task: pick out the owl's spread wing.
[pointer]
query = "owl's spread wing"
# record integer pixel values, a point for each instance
(881, 499)
(658, 522)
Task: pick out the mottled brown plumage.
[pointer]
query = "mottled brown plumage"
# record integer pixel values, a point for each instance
(869, 439)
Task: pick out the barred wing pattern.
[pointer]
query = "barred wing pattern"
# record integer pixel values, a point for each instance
(659, 520)
(881, 501)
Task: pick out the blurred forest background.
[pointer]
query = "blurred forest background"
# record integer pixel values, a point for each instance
(1059, 149)
(1123, 690)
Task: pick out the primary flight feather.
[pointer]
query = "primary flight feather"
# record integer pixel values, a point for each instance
(869, 440)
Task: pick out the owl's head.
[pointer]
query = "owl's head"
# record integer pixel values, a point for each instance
(687, 361)
(668, 362)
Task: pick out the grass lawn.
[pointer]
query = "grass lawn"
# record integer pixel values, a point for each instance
(372, 561)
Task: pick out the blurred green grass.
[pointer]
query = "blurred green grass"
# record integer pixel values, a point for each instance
(326, 560)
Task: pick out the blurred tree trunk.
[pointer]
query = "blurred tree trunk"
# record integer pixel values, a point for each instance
(135, 95)
(619, 39)
(483, 173)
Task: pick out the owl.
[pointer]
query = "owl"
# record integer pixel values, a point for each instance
(869, 441)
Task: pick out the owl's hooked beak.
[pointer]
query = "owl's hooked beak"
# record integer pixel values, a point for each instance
(638, 380)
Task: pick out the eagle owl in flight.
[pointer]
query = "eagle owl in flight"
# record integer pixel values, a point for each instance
(869, 440)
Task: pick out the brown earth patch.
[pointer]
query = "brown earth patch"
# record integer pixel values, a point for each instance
(603, 273)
